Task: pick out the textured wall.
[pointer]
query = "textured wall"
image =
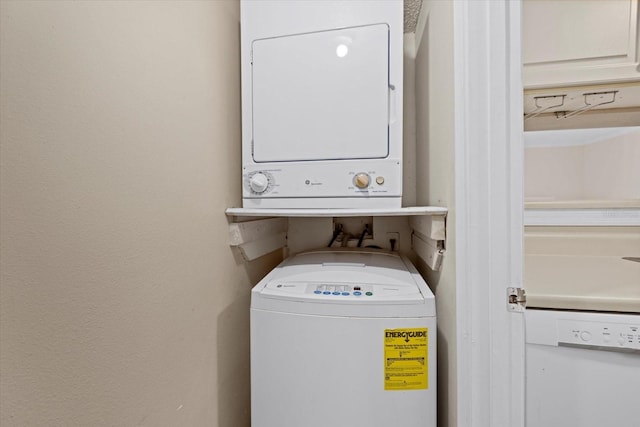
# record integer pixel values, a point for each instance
(121, 302)
(411, 14)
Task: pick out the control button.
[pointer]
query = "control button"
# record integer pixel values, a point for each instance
(369, 294)
(361, 180)
(585, 335)
(621, 339)
(258, 182)
(345, 293)
(326, 293)
(317, 292)
(357, 293)
(380, 180)
(336, 293)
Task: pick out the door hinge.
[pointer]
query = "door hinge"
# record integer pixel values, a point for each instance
(516, 299)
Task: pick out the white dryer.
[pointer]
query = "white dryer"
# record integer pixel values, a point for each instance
(322, 103)
(343, 338)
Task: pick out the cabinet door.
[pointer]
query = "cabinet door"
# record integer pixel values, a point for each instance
(322, 95)
(579, 42)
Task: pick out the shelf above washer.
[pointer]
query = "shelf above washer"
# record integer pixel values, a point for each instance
(311, 213)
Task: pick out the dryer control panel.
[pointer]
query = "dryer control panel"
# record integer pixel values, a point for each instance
(366, 178)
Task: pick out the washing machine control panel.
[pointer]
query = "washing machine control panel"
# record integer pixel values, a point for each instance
(342, 290)
(599, 334)
(324, 291)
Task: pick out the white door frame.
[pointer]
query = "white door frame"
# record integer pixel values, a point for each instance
(489, 211)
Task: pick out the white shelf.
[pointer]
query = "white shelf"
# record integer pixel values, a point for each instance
(311, 213)
(269, 230)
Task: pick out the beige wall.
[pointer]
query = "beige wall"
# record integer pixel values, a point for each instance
(121, 302)
(435, 179)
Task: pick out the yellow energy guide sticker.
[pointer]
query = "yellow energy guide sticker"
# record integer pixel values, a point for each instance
(406, 366)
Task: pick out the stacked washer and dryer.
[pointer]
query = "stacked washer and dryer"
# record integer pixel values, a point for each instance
(341, 338)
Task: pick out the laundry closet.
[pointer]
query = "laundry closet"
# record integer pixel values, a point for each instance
(581, 241)
(126, 287)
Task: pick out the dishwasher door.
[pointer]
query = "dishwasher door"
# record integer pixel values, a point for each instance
(583, 369)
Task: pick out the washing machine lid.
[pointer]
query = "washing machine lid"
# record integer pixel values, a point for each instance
(348, 267)
(352, 282)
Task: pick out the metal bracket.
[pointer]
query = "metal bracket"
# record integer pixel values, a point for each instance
(593, 100)
(544, 104)
(516, 300)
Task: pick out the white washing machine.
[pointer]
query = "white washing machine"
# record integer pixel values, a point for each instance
(343, 338)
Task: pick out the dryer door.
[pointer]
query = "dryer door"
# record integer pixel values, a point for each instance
(322, 95)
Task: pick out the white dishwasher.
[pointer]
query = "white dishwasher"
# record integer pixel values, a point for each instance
(343, 339)
(583, 369)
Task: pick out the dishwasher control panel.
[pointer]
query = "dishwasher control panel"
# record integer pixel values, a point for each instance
(599, 334)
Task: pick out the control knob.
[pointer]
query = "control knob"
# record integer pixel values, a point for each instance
(361, 180)
(259, 182)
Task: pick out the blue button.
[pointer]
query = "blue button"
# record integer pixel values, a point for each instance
(317, 292)
(345, 293)
(327, 293)
(336, 293)
(357, 293)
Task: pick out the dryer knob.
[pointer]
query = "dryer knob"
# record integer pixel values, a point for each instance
(361, 180)
(259, 182)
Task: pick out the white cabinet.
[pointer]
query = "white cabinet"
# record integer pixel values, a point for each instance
(568, 43)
